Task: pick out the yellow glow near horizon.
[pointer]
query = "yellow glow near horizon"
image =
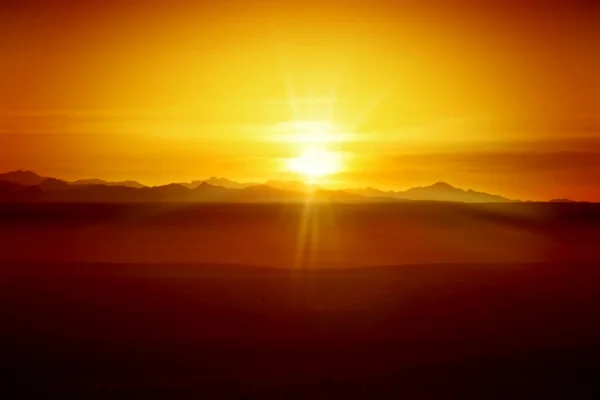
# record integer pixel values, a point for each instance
(313, 132)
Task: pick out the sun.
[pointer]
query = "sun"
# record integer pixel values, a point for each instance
(316, 163)
(314, 142)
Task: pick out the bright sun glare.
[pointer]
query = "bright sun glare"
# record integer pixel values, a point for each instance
(316, 163)
(315, 159)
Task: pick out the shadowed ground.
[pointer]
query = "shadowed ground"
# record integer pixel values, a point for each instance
(86, 329)
(298, 235)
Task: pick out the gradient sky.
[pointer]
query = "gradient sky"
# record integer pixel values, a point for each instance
(502, 97)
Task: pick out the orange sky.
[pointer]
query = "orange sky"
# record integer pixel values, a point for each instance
(503, 98)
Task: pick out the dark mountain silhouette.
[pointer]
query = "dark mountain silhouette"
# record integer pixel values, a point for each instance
(30, 178)
(133, 184)
(17, 192)
(562, 201)
(439, 191)
(7, 188)
(264, 193)
(27, 185)
(295, 186)
(372, 192)
(215, 181)
(227, 183)
(22, 177)
(96, 193)
(52, 184)
(211, 193)
(171, 192)
(191, 185)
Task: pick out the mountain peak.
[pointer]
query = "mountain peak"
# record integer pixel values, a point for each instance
(442, 185)
(225, 182)
(206, 185)
(442, 191)
(22, 172)
(22, 177)
(51, 184)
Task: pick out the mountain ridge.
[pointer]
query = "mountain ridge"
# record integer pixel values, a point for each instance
(94, 181)
(222, 189)
(438, 191)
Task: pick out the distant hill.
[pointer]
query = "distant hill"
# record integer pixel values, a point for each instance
(7, 188)
(30, 178)
(27, 185)
(55, 190)
(133, 184)
(211, 193)
(191, 185)
(18, 192)
(227, 183)
(439, 191)
(295, 186)
(25, 178)
(562, 201)
(214, 181)
(52, 184)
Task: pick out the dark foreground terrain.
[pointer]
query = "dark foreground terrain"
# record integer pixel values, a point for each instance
(488, 301)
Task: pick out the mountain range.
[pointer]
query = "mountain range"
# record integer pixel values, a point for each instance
(29, 186)
(439, 191)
